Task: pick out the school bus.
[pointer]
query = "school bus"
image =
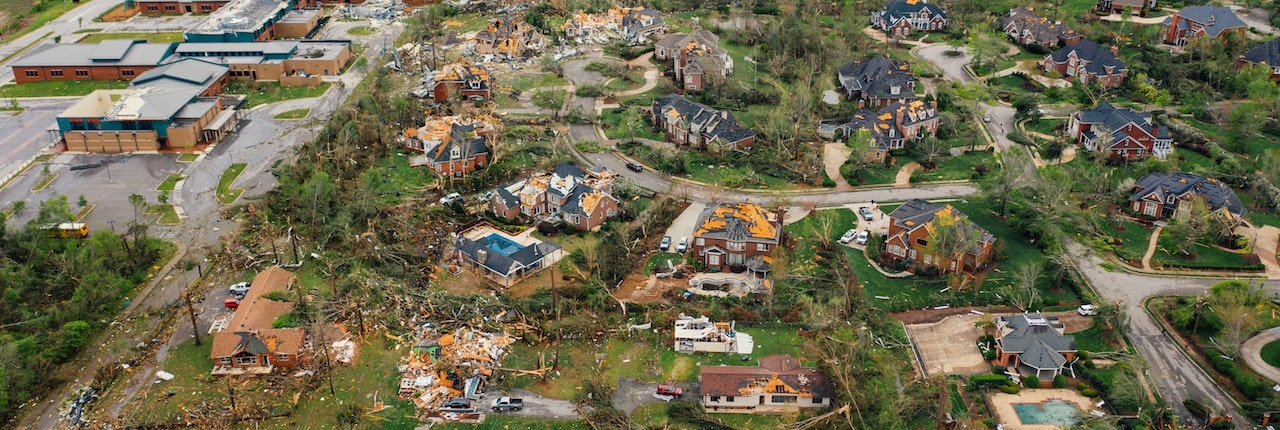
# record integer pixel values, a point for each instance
(67, 229)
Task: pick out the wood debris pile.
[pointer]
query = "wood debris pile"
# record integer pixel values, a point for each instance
(444, 366)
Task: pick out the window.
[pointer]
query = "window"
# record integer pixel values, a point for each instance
(762, 247)
(817, 400)
(928, 259)
(55, 73)
(225, 360)
(912, 254)
(82, 73)
(282, 357)
(737, 246)
(1150, 209)
(206, 8)
(715, 398)
(713, 260)
(33, 73)
(783, 399)
(247, 360)
(728, 398)
(922, 241)
(126, 72)
(153, 8)
(170, 8)
(700, 242)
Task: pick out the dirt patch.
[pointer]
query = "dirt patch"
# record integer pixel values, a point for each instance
(648, 289)
(949, 346)
(904, 174)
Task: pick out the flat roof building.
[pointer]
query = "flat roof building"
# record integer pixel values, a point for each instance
(243, 21)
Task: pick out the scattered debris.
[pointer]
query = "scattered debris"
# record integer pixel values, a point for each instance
(442, 371)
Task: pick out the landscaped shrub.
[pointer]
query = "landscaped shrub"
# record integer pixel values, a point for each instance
(1060, 381)
(1031, 382)
(1010, 389)
(1249, 385)
(1089, 392)
(980, 382)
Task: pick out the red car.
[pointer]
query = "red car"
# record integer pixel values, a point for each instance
(231, 303)
(668, 392)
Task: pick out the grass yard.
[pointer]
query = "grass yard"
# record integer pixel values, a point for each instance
(1271, 353)
(1018, 249)
(506, 422)
(1092, 340)
(59, 88)
(958, 408)
(362, 31)
(260, 93)
(227, 195)
(188, 158)
(737, 177)
(294, 114)
(527, 81)
(23, 16)
(1205, 256)
(170, 182)
(1134, 239)
(635, 80)
(168, 215)
(1046, 126)
(152, 37)
(550, 99)
(392, 177)
(956, 168)
(659, 260)
(615, 126)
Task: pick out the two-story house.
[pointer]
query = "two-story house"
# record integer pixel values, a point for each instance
(892, 127)
(899, 17)
(1087, 62)
(510, 36)
(461, 79)
(450, 146)
(729, 236)
(582, 198)
(703, 335)
(635, 25)
(249, 343)
(697, 59)
(877, 81)
(1036, 342)
(1136, 7)
(692, 124)
(779, 384)
(1122, 133)
(1266, 55)
(912, 227)
(1162, 196)
(1201, 20)
(1025, 27)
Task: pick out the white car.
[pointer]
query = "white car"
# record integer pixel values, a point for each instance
(862, 237)
(848, 235)
(1087, 310)
(452, 197)
(239, 289)
(683, 245)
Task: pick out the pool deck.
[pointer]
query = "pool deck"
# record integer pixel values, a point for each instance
(524, 238)
(1002, 405)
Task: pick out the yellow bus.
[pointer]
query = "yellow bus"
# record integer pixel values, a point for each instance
(67, 229)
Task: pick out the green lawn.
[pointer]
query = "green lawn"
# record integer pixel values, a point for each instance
(293, 114)
(1205, 256)
(958, 407)
(227, 195)
(956, 168)
(1271, 353)
(270, 92)
(527, 81)
(614, 127)
(152, 37)
(59, 88)
(362, 31)
(392, 177)
(21, 17)
(659, 260)
(1091, 340)
(170, 182)
(1046, 126)
(168, 216)
(550, 99)
(1134, 239)
(1018, 249)
(187, 158)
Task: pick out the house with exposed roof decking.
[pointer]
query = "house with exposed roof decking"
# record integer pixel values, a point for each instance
(451, 146)
(1162, 195)
(509, 35)
(911, 230)
(893, 127)
(582, 198)
(737, 237)
(692, 124)
(779, 384)
(1025, 27)
(117, 59)
(877, 81)
(498, 256)
(1036, 342)
(899, 17)
(249, 344)
(1087, 62)
(462, 79)
(696, 59)
(1201, 20)
(1131, 133)
(634, 24)
(1136, 7)
(1266, 55)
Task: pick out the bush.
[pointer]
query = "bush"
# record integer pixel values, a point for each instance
(1031, 382)
(1010, 389)
(1060, 381)
(979, 382)
(1089, 392)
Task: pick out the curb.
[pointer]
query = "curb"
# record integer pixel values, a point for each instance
(1182, 346)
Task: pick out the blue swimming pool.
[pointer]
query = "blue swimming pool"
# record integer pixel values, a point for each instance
(1055, 412)
(501, 244)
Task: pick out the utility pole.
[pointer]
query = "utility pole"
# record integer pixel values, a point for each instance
(195, 329)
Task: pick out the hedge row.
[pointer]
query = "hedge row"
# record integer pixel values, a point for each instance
(986, 381)
(1231, 267)
(1249, 385)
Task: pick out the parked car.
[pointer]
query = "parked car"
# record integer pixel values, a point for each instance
(862, 237)
(986, 118)
(503, 404)
(451, 198)
(683, 245)
(239, 289)
(635, 167)
(665, 244)
(457, 404)
(848, 235)
(668, 393)
(1087, 310)
(866, 213)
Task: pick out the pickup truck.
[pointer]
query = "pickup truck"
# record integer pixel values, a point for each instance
(457, 404)
(503, 404)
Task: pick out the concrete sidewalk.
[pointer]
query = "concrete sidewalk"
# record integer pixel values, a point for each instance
(1251, 351)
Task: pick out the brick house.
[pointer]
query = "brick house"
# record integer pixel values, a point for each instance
(1036, 342)
(462, 78)
(449, 147)
(899, 17)
(175, 7)
(1088, 62)
(1136, 7)
(582, 198)
(699, 126)
(735, 237)
(911, 229)
(697, 59)
(892, 127)
(1132, 134)
(634, 24)
(1161, 195)
(1025, 27)
(1266, 55)
(249, 344)
(511, 36)
(1201, 20)
(877, 82)
(779, 384)
(119, 59)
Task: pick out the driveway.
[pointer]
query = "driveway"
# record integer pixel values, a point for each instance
(1251, 352)
(684, 224)
(952, 67)
(631, 393)
(534, 405)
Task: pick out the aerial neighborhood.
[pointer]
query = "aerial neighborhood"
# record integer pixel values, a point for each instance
(527, 214)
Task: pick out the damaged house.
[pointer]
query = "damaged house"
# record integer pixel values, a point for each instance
(634, 25)
(450, 145)
(692, 124)
(1025, 27)
(892, 127)
(778, 385)
(579, 197)
(249, 344)
(697, 59)
(503, 257)
(510, 36)
(702, 335)
(878, 81)
(460, 80)
(737, 237)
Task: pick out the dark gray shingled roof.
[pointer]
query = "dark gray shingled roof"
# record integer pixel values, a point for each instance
(901, 8)
(1037, 345)
(1041, 30)
(499, 263)
(916, 212)
(1161, 185)
(1116, 119)
(1216, 19)
(713, 122)
(877, 76)
(1098, 57)
(463, 137)
(1267, 53)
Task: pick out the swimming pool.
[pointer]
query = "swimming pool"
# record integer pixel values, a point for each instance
(1055, 412)
(501, 244)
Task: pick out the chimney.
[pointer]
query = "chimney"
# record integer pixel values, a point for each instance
(482, 255)
(1115, 51)
(724, 114)
(933, 105)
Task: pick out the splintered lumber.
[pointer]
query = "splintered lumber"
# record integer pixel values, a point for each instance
(537, 372)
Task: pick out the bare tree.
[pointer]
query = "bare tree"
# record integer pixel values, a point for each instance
(1024, 292)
